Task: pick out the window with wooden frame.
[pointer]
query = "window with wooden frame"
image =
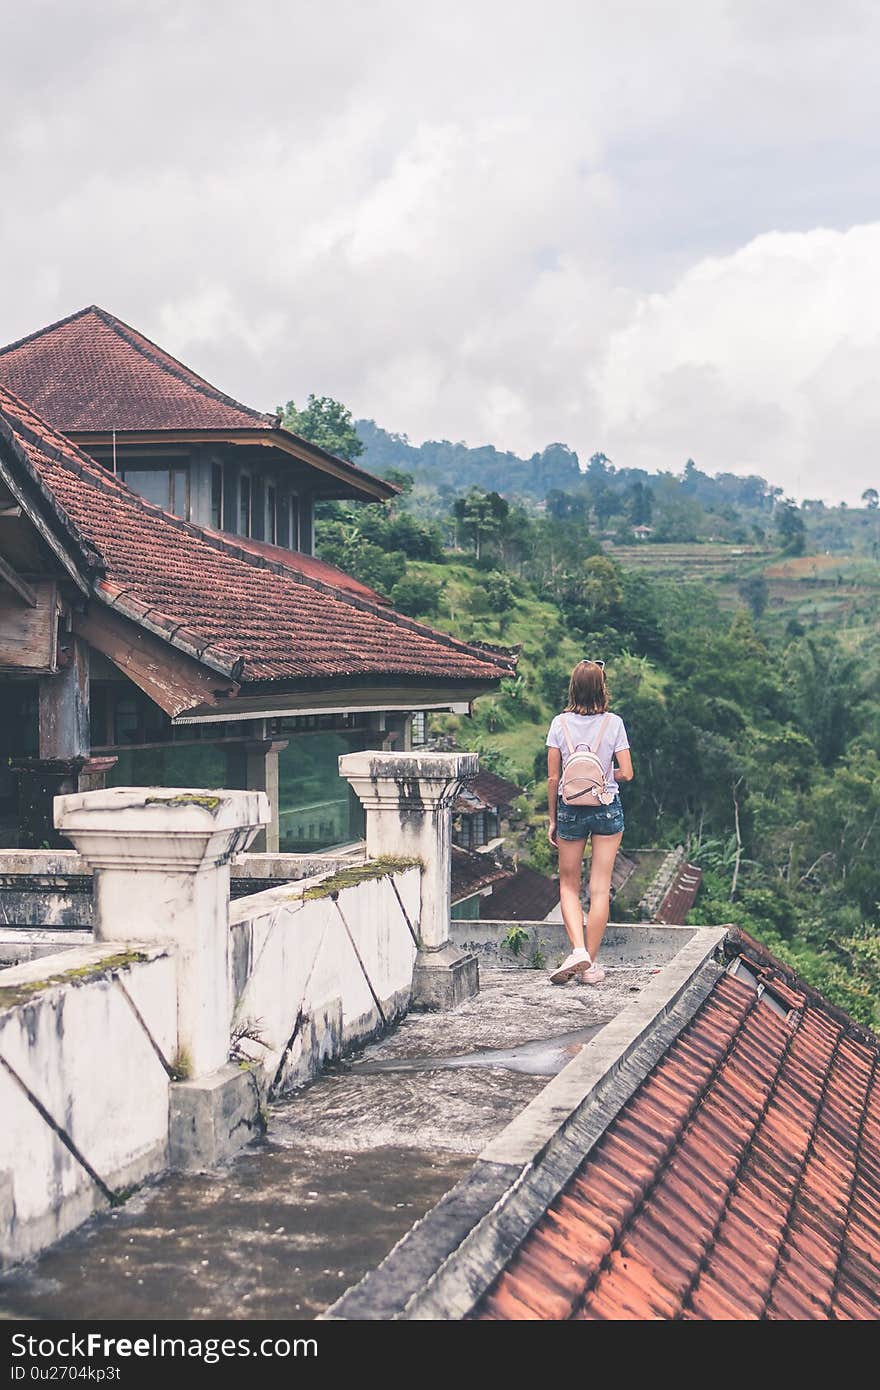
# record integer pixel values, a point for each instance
(167, 486)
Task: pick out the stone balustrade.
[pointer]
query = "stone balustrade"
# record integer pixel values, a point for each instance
(115, 1056)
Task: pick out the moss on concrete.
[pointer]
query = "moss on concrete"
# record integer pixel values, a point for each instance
(181, 1065)
(210, 803)
(13, 995)
(382, 867)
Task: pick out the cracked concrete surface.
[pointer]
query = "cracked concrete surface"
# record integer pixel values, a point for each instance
(351, 1162)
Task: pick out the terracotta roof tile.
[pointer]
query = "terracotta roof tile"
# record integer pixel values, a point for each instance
(522, 896)
(240, 611)
(740, 1181)
(487, 790)
(680, 896)
(472, 871)
(91, 371)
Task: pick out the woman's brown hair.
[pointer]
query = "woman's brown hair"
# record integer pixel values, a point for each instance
(587, 691)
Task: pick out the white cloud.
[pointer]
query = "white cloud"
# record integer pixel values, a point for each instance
(492, 222)
(765, 361)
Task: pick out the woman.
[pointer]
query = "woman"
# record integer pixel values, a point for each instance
(586, 718)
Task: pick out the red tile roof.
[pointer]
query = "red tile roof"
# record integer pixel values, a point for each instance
(238, 612)
(91, 371)
(524, 896)
(741, 1180)
(472, 871)
(309, 565)
(487, 790)
(680, 896)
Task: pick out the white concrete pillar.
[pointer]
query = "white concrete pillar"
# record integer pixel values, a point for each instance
(262, 776)
(408, 800)
(160, 856)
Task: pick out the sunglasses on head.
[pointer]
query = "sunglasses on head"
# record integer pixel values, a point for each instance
(589, 659)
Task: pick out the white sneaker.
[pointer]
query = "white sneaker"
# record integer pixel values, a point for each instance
(593, 976)
(578, 960)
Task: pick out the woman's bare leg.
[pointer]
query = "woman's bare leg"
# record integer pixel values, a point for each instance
(571, 858)
(605, 849)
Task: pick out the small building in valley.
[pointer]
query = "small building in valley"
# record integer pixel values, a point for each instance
(481, 814)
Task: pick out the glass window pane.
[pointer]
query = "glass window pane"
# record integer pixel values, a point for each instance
(317, 807)
(179, 498)
(258, 509)
(152, 483)
(244, 520)
(125, 721)
(199, 765)
(302, 541)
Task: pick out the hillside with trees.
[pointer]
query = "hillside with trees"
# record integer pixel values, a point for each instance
(742, 636)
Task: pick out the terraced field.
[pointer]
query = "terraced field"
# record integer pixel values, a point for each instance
(838, 589)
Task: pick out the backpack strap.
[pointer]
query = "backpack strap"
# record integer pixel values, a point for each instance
(602, 727)
(565, 729)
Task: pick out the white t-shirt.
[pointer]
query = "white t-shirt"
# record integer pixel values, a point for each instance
(584, 728)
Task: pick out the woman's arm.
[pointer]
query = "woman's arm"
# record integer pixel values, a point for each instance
(624, 760)
(554, 772)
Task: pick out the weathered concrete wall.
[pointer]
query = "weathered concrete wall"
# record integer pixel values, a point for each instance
(53, 889)
(639, 944)
(19, 944)
(118, 1055)
(321, 967)
(87, 1040)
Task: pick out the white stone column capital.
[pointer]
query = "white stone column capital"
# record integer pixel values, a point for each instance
(160, 856)
(160, 829)
(410, 781)
(408, 800)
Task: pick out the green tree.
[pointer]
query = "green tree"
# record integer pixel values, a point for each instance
(417, 597)
(592, 595)
(480, 515)
(755, 591)
(640, 504)
(790, 528)
(824, 693)
(499, 595)
(325, 422)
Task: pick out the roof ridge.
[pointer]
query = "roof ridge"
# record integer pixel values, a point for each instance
(170, 629)
(130, 335)
(48, 328)
(180, 370)
(739, 942)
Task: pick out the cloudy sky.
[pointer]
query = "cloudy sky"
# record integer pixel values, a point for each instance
(645, 227)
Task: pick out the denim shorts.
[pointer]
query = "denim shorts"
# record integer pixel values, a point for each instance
(580, 822)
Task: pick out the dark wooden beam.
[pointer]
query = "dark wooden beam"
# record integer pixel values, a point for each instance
(171, 679)
(29, 636)
(15, 581)
(64, 706)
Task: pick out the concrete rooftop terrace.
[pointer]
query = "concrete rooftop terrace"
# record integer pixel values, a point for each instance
(353, 1160)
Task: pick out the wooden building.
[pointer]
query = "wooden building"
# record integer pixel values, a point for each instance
(140, 645)
(173, 437)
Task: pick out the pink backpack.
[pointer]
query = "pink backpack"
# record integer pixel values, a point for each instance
(584, 779)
